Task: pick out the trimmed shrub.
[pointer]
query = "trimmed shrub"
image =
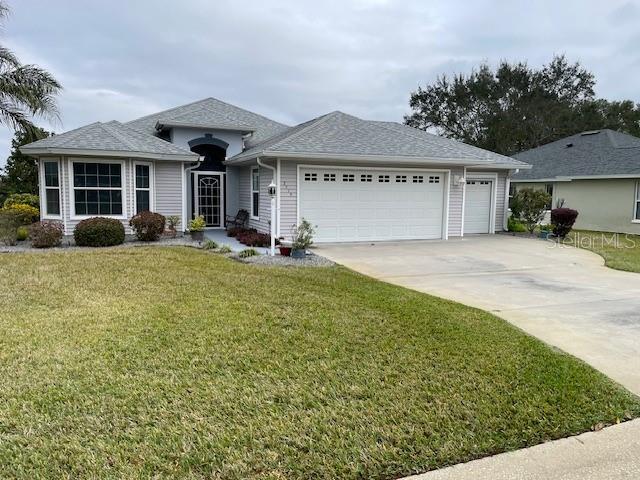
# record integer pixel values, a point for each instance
(562, 220)
(516, 226)
(9, 223)
(255, 239)
(46, 234)
(236, 231)
(248, 252)
(26, 213)
(99, 232)
(22, 198)
(531, 206)
(148, 226)
(22, 233)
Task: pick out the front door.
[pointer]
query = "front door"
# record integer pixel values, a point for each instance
(208, 197)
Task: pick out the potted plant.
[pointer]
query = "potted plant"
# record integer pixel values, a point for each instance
(172, 223)
(196, 228)
(302, 238)
(545, 231)
(285, 247)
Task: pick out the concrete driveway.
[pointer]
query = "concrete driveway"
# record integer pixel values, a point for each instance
(562, 295)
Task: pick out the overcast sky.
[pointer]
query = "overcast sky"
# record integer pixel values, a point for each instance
(294, 60)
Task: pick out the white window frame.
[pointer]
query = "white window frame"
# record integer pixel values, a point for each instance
(636, 203)
(123, 188)
(255, 215)
(151, 189)
(44, 188)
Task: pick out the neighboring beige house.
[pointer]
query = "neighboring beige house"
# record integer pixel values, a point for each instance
(356, 180)
(596, 173)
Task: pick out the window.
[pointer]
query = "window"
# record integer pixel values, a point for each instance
(637, 203)
(348, 177)
(383, 178)
(434, 179)
(548, 187)
(512, 192)
(255, 192)
(366, 178)
(308, 177)
(143, 187)
(97, 188)
(329, 177)
(401, 179)
(418, 179)
(52, 188)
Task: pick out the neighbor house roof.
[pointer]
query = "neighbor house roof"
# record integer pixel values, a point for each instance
(597, 153)
(338, 135)
(109, 139)
(214, 114)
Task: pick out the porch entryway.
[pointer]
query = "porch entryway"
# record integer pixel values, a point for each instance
(208, 197)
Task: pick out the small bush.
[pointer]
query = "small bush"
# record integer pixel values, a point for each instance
(26, 213)
(562, 220)
(197, 224)
(514, 225)
(46, 234)
(248, 252)
(9, 223)
(531, 206)
(255, 239)
(22, 198)
(22, 233)
(302, 235)
(209, 245)
(148, 226)
(225, 249)
(236, 231)
(172, 222)
(99, 232)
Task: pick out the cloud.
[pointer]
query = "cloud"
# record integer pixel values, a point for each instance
(294, 60)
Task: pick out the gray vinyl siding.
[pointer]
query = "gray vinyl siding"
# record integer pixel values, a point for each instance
(167, 188)
(262, 223)
(289, 192)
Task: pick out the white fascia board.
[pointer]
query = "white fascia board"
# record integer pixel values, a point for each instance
(381, 159)
(107, 153)
(577, 177)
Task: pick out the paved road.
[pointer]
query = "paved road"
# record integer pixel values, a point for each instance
(562, 295)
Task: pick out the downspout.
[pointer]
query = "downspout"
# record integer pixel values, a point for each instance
(274, 215)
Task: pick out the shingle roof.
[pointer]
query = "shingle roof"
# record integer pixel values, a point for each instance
(595, 153)
(340, 134)
(214, 113)
(108, 137)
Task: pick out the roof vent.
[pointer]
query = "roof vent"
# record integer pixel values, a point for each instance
(590, 132)
(569, 145)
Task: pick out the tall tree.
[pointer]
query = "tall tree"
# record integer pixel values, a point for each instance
(25, 90)
(515, 107)
(21, 171)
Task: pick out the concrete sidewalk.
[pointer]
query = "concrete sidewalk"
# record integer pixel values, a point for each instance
(610, 454)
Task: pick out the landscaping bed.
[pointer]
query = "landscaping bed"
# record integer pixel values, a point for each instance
(174, 363)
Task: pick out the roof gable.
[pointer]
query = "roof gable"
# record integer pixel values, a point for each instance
(594, 153)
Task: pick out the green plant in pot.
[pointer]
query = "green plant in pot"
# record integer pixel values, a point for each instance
(196, 228)
(302, 238)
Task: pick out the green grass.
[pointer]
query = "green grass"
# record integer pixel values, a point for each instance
(620, 251)
(172, 362)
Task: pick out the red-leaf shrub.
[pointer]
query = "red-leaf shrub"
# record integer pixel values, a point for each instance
(148, 226)
(99, 232)
(45, 234)
(235, 231)
(562, 220)
(254, 239)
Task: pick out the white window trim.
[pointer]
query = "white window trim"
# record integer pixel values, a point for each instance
(634, 218)
(123, 183)
(151, 189)
(43, 189)
(254, 217)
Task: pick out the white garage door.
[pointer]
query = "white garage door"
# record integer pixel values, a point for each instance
(362, 205)
(477, 207)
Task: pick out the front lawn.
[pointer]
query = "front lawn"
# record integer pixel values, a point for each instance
(172, 362)
(620, 251)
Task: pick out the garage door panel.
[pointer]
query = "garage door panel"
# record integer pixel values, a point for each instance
(477, 208)
(363, 205)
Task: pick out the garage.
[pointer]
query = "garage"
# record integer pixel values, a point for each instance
(351, 205)
(477, 206)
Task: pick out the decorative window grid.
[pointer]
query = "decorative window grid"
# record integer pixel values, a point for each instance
(434, 179)
(366, 178)
(348, 177)
(383, 178)
(329, 177)
(418, 179)
(310, 177)
(401, 179)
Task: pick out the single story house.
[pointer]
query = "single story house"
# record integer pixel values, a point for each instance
(356, 180)
(596, 173)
